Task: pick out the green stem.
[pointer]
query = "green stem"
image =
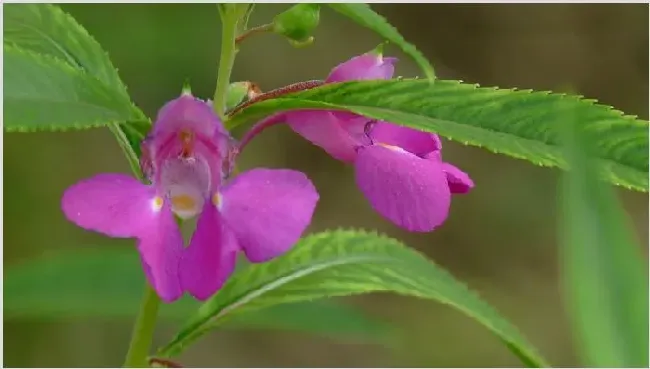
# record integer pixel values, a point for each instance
(143, 331)
(229, 19)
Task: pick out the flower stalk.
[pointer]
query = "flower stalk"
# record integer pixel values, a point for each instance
(143, 330)
(253, 31)
(229, 18)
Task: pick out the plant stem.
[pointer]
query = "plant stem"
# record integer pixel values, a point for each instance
(229, 19)
(143, 330)
(252, 31)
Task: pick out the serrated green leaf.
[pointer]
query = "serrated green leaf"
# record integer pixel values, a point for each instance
(109, 283)
(43, 93)
(344, 263)
(365, 16)
(605, 273)
(48, 30)
(521, 124)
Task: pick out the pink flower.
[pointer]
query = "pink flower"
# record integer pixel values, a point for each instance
(262, 212)
(400, 170)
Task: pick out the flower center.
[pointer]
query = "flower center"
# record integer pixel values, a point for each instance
(186, 138)
(186, 182)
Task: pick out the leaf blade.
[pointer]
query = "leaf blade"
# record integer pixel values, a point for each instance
(521, 124)
(344, 263)
(47, 29)
(605, 278)
(43, 93)
(109, 283)
(364, 15)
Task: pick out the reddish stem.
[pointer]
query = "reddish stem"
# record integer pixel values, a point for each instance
(255, 30)
(295, 87)
(164, 362)
(274, 119)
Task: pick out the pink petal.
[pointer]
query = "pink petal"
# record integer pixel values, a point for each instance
(459, 181)
(187, 112)
(186, 127)
(417, 142)
(409, 191)
(211, 256)
(120, 206)
(161, 247)
(324, 129)
(268, 210)
(113, 204)
(363, 67)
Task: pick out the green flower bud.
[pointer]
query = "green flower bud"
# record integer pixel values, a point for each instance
(238, 92)
(297, 23)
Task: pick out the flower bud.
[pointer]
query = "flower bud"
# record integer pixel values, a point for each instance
(239, 91)
(297, 23)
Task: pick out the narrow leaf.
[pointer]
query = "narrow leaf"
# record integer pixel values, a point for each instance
(365, 16)
(108, 283)
(521, 124)
(605, 275)
(43, 93)
(344, 263)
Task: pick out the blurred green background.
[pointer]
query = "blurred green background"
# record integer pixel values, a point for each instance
(500, 238)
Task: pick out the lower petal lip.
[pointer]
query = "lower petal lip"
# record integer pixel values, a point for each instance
(409, 191)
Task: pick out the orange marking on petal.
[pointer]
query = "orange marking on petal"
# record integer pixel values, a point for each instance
(184, 203)
(186, 137)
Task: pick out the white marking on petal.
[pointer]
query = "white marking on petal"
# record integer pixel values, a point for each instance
(187, 183)
(217, 200)
(157, 203)
(393, 147)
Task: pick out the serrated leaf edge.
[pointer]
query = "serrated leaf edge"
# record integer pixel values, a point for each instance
(47, 61)
(633, 119)
(204, 324)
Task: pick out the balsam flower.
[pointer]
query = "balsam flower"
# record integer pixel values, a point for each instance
(262, 212)
(399, 170)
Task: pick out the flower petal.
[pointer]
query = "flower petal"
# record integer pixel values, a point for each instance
(187, 112)
(268, 210)
(120, 206)
(187, 182)
(161, 247)
(186, 127)
(459, 181)
(367, 66)
(210, 258)
(112, 204)
(409, 191)
(417, 142)
(324, 129)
